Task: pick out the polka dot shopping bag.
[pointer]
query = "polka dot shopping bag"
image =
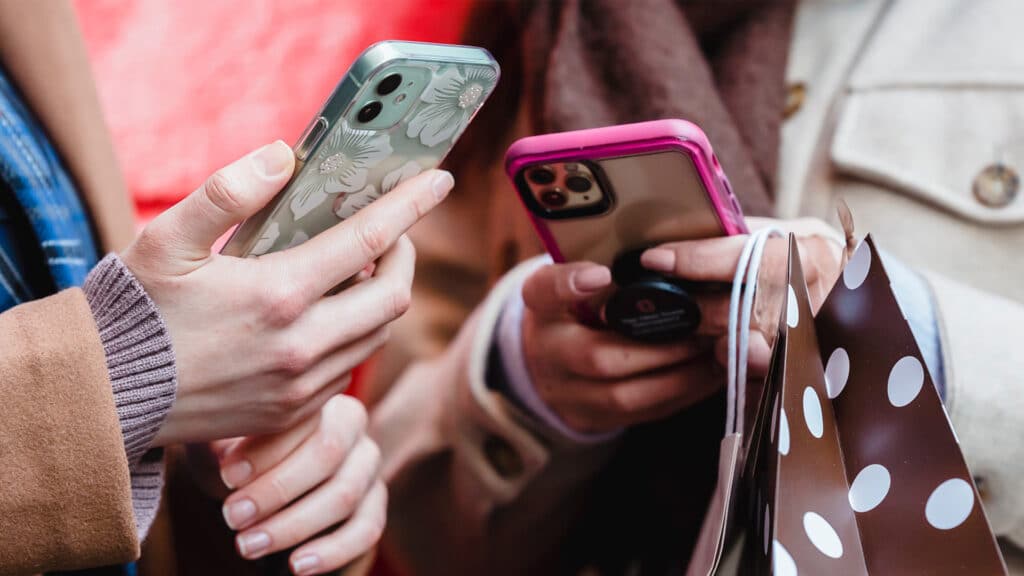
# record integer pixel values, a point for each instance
(850, 465)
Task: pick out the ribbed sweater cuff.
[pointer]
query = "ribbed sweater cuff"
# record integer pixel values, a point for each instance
(140, 361)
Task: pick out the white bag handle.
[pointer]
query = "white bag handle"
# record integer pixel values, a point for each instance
(744, 284)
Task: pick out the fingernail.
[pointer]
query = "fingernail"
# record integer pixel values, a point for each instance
(591, 278)
(272, 160)
(659, 259)
(442, 183)
(305, 564)
(238, 513)
(251, 544)
(234, 474)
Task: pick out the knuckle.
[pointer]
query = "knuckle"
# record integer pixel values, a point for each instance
(621, 400)
(294, 396)
(283, 305)
(599, 363)
(372, 236)
(278, 491)
(294, 357)
(220, 191)
(399, 300)
(331, 441)
(346, 499)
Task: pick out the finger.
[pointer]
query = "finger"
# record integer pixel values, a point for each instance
(352, 539)
(341, 423)
(601, 408)
(342, 360)
(716, 259)
(552, 290)
(252, 456)
(333, 256)
(362, 308)
(604, 355)
(230, 195)
(330, 503)
(257, 454)
(759, 354)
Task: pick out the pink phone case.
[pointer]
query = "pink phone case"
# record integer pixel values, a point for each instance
(647, 208)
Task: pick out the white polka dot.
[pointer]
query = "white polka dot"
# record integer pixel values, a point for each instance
(775, 416)
(905, 381)
(767, 527)
(792, 311)
(837, 370)
(950, 504)
(783, 432)
(869, 488)
(857, 268)
(812, 413)
(822, 535)
(782, 562)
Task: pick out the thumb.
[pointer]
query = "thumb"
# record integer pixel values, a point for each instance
(229, 196)
(555, 288)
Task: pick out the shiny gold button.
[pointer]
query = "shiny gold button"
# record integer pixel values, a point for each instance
(795, 95)
(996, 185)
(502, 457)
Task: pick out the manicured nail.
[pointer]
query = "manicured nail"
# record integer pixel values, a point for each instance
(251, 544)
(272, 160)
(305, 564)
(234, 474)
(591, 278)
(659, 259)
(238, 513)
(442, 183)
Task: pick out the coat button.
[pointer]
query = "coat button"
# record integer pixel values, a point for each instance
(502, 457)
(795, 95)
(996, 185)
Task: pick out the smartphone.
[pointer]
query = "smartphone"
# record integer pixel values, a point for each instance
(606, 194)
(397, 112)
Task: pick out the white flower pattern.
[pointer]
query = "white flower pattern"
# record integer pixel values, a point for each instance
(341, 167)
(450, 101)
(348, 204)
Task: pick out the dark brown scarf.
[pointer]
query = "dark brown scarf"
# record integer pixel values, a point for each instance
(718, 63)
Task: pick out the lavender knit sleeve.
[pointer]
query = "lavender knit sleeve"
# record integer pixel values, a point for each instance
(140, 361)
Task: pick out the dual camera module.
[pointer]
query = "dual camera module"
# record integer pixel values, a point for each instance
(372, 109)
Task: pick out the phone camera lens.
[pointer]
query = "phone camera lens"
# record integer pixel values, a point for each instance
(389, 84)
(553, 198)
(542, 175)
(578, 183)
(369, 112)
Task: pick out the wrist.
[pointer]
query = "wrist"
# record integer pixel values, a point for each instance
(139, 355)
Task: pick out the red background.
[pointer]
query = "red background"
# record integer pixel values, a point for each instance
(188, 86)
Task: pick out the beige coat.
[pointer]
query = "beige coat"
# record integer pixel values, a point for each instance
(903, 105)
(65, 498)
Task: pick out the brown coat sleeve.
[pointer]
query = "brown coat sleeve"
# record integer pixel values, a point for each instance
(65, 498)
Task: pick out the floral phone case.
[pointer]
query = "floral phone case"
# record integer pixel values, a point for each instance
(372, 133)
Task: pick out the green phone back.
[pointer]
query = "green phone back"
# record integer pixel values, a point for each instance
(345, 163)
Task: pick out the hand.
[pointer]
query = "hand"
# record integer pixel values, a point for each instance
(597, 381)
(294, 486)
(715, 260)
(257, 345)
